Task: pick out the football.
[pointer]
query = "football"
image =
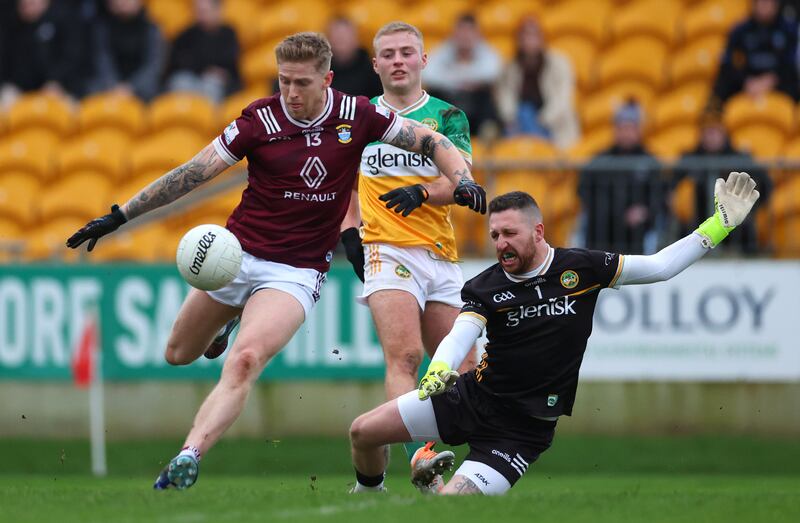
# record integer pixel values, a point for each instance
(209, 257)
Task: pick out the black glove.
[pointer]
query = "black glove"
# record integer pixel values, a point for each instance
(97, 228)
(470, 194)
(354, 250)
(405, 199)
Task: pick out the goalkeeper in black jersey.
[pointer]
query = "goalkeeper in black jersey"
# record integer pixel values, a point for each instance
(536, 305)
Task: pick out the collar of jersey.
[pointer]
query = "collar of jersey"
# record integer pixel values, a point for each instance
(541, 269)
(405, 110)
(316, 121)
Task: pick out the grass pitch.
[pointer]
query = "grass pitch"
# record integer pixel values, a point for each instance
(594, 479)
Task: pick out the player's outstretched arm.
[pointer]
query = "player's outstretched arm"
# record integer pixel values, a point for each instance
(440, 375)
(733, 200)
(415, 137)
(204, 166)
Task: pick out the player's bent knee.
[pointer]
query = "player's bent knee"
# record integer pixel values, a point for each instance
(175, 354)
(243, 366)
(358, 430)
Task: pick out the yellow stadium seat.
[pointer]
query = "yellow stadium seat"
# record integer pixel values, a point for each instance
(775, 109)
(504, 45)
(503, 16)
(19, 198)
(241, 15)
(142, 244)
(582, 53)
(762, 141)
(586, 18)
(786, 236)
(436, 18)
(654, 18)
(81, 195)
(639, 58)
(112, 111)
(370, 15)
(786, 201)
(172, 16)
(183, 110)
(160, 153)
(597, 110)
(524, 148)
(259, 67)
(48, 240)
(697, 60)
(713, 17)
(25, 156)
(12, 241)
(683, 201)
(103, 155)
(680, 106)
(221, 205)
(591, 144)
(287, 16)
(671, 143)
(233, 105)
(471, 231)
(37, 110)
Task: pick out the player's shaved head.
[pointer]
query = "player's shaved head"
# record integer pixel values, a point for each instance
(518, 200)
(306, 47)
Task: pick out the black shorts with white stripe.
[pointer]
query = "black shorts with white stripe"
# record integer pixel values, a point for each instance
(504, 440)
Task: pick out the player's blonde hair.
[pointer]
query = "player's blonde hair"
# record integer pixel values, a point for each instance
(306, 47)
(397, 27)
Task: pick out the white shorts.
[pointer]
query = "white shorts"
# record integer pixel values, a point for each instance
(413, 269)
(256, 274)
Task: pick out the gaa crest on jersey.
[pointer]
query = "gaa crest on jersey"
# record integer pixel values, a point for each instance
(343, 130)
(231, 132)
(430, 123)
(569, 279)
(401, 271)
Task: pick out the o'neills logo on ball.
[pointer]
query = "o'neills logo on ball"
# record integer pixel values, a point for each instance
(202, 249)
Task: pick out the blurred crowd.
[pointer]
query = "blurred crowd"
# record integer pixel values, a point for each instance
(75, 48)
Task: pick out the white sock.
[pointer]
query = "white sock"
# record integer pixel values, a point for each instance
(362, 488)
(190, 451)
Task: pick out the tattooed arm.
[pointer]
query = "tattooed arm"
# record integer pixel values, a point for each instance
(204, 166)
(417, 138)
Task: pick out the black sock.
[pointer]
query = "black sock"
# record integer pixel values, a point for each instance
(369, 481)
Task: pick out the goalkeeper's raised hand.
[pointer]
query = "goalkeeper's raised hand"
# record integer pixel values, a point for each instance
(470, 194)
(437, 379)
(97, 228)
(733, 199)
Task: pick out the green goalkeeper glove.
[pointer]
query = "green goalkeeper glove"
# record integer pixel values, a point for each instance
(437, 379)
(733, 199)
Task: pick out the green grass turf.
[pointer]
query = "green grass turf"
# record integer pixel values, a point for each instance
(598, 479)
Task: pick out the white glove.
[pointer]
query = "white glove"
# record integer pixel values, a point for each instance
(733, 199)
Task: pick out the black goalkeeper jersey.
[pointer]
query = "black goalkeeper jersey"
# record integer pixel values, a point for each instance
(537, 329)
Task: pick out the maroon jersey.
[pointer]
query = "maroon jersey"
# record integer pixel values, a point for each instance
(300, 174)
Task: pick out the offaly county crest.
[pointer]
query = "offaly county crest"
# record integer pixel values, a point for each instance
(343, 131)
(569, 279)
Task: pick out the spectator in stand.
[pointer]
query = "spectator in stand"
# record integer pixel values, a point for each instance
(128, 51)
(622, 192)
(463, 71)
(714, 158)
(205, 57)
(351, 63)
(760, 56)
(41, 50)
(535, 92)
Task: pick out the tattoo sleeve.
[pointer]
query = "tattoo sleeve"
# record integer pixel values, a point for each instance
(179, 181)
(464, 485)
(406, 138)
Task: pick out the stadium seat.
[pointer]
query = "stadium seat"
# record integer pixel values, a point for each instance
(112, 111)
(671, 143)
(28, 156)
(698, 60)
(43, 111)
(640, 18)
(241, 15)
(231, 108)
(713, 17)
(775, 110)
(183, 110)
(790, 154)
(639, 58)
(48, 240)
(82, 195)
(471, 231)
(680, 106)
(590, 144)
(683, 201)
(172, 16)
(288, 16)
(145, 244)
(436, 18)
(785, 202)
(598, 108)
(103, 153)
(221, 205)
(12, 241)
(370, 15)
(786, 236)
(582, 53)
(258, 66)
(502, 16)
(585, 18)
(504, 45)
(762, 141)
(19, 198)
(160, 153)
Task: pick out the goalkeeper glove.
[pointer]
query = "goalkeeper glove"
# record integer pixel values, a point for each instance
(733, 199)
(97, 228)
(470, 194)
(437, 379)
(354, 250)
(405, 199)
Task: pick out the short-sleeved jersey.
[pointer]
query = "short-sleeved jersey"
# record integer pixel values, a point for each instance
(300, 174)
(386, 167)
(537, 329)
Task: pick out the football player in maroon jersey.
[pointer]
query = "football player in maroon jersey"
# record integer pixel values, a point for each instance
(303, 147)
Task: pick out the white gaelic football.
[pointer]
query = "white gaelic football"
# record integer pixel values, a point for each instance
(209, 257)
